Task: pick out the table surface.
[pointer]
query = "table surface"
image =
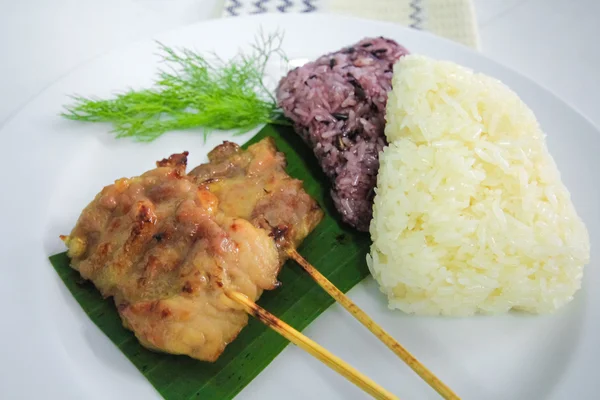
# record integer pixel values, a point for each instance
(553, 42)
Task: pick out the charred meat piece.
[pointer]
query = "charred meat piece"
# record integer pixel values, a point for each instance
(164, 249)
(253, 185)
(337, 104)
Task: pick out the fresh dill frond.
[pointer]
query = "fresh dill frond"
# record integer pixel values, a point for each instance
(192, 93)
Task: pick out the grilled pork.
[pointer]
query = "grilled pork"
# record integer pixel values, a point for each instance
(167, 245)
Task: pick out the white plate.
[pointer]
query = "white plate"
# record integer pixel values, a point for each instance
(53, 167)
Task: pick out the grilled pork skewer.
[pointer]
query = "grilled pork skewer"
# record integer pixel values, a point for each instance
(164, 243)
(163, 249)
(184, 274)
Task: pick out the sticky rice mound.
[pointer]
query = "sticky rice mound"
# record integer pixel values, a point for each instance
(470, 213)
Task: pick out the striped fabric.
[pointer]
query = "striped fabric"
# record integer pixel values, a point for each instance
(453, 19)
(243, 7)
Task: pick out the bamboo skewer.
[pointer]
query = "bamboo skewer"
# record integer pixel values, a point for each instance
(385, 337)
(311, 347)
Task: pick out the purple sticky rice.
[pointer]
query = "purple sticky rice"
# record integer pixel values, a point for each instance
(337, 104)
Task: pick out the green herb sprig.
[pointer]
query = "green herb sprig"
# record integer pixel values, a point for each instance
(192, 93)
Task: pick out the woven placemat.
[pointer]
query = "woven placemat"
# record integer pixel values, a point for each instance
(452, 19)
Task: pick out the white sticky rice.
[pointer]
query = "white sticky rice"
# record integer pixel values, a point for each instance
(470, 213)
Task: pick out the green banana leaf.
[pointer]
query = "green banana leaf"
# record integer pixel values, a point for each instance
(334, 248)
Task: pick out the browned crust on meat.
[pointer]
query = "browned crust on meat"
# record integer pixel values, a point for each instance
(167, 245)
